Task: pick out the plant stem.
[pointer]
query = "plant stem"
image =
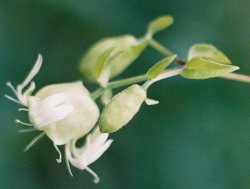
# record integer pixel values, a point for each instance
(128, 81)
(165, 51)
(119, 83)
(136, 79)
(168, 73)
(164, 75)
(237, 77)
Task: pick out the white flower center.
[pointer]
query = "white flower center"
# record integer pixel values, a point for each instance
(50, 110)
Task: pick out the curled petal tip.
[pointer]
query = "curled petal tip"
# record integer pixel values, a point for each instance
(8, 83)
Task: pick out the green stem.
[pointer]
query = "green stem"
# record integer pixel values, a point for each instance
(164, 75)
(128, 81)
(136, 79)
(119, 83)
(164, 51)
(237, 77)
(168, 73)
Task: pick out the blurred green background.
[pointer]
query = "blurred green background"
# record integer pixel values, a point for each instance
(197, 137)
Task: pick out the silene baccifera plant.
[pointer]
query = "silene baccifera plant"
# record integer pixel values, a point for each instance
(67, 112)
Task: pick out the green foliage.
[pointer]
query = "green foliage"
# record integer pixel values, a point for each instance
(206, 61)
(102, 61)
(159, 67)
(121, 60)
(159, 24)
(200, 68)
(208, 52)
(101, 69)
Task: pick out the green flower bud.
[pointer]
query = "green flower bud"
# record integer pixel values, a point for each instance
(122, 108)
(126, 49)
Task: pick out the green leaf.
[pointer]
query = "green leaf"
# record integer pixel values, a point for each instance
(122, 108)
(102, 61)
(159, 67)
(208, 52)
(200, 68)
(159, 24)
(122, 59)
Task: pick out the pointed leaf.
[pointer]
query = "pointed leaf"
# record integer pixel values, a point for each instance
(159, 67)
(200, 68)
(208, 52)
(159, 24)
(122, 59)
(102, 61)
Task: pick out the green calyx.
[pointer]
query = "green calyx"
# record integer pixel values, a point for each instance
(122, 108)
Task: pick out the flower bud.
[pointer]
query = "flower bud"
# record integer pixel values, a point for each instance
(122, 108)
(126, 49)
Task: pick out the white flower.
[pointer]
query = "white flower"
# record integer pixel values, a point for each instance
(62, 111)
(96, 144)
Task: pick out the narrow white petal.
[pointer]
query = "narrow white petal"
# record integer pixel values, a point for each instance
(26, 130)
(59, 159)
(8, 83)
(68, 157)
(54, 114)
(29, 91)
(12, 99)
(96, 178)
(99, 153)
(23, 109)
(34, 141)
(95, 133)
(91, 150)
(54, 100)
(95, 145)
(32, 73)
(23, 123)
(28, 79)
(59, 113)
